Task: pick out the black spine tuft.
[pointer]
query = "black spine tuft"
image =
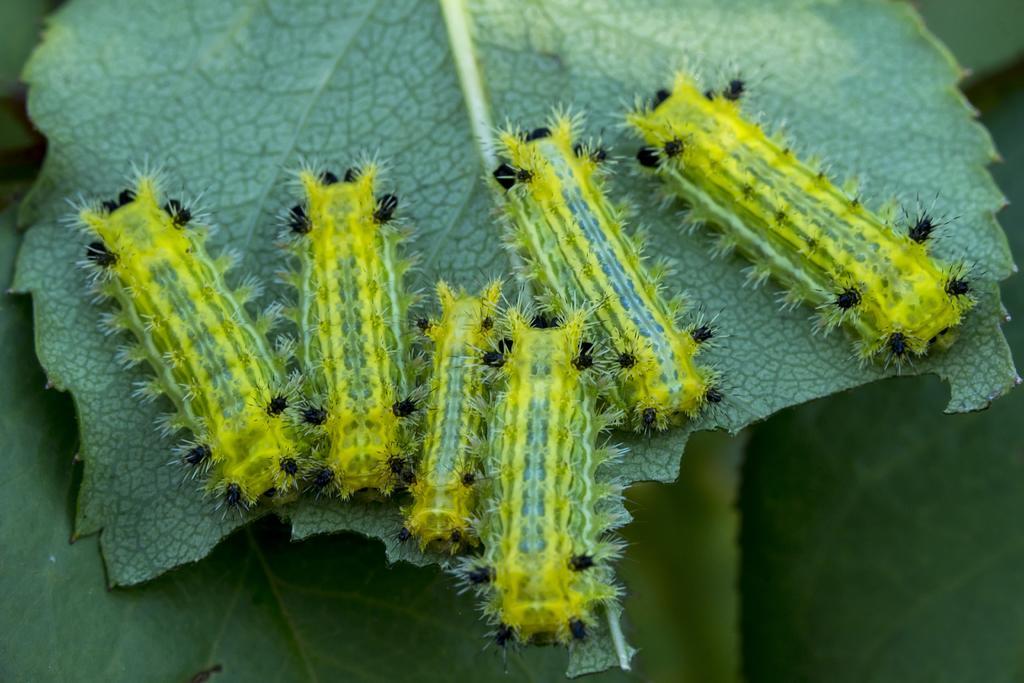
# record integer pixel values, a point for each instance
(233, 495)
(848, 298)
(648, 157)
(505, 175)
(538, 134)
(578, 629)
(702, 334)
(278, 404)
(98, 253)
(494, 359)
(404, 408)
(673, 147)
(922, 229)
(298, 221)
(323, 478)
(396, 464)
(197, 455)
(649, 417)
(585, 359)
(543, 322)
(958, 287)
(480, 575)
(898, 344)
(503, 635)
(734, 90)
(581, 562)
(314, 415)
(402, 470)
(386, 206)
(180, 216)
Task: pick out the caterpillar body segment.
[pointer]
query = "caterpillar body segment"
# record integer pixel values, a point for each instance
(573, 241)
(823, 245)
(352, 345)
(211, 358)
(545, 567)
(444, 494)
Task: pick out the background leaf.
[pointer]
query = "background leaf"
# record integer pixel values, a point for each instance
(228, 94)
(21, 149)
(984, 34)
(881, 541)
(682, 567)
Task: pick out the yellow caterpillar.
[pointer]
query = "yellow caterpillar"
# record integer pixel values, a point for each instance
(788, 218)
(444, 494)
(210, 358)
(573, 241)
(352, 346)
(545, 566)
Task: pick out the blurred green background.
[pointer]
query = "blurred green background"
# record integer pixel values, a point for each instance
(883, 539)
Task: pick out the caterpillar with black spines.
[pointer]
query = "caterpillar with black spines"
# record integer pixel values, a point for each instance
(352, 345)
(546, 565)
(448, 472)
(853, 265)
(574, 245)
(210, 357)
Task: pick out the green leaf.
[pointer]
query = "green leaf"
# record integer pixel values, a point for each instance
(228, 95)
(882, 541)
(259, 608)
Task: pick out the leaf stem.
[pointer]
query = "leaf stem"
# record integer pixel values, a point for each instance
(615, 628)
(456, 19)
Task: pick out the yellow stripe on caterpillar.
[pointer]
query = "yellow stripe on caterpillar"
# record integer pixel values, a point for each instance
(352, 344)
(824, 246)
(444, 495)
(211, 358)
(546, 562)
(575, 246)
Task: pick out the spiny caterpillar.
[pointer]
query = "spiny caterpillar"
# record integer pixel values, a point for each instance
(573, 241)
(546, 563)
(350, 315)
(211, 359)
(795, 225)
(444, 494)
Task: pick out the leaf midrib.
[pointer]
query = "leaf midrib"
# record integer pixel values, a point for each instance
(457, 24)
